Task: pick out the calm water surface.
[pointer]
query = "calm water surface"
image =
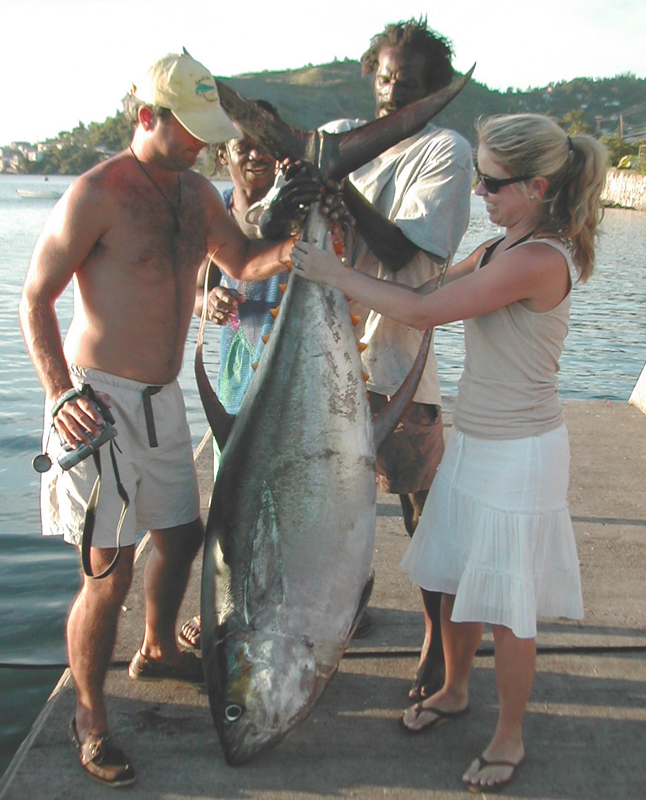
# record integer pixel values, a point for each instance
(605, 352)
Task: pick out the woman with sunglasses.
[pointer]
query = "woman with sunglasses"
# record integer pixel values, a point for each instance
(496, 536)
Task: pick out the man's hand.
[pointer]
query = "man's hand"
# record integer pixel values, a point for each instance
(79, 419)
(290, 206)
(333, 205)
(222, 305)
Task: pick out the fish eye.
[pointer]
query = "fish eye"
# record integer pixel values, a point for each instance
(233, 712)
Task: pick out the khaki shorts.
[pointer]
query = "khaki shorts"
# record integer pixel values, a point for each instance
(408, 459)
(161, 481)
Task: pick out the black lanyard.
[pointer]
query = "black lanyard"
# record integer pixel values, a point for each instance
(90, 517)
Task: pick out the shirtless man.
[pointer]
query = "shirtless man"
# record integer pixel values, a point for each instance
(132, 233)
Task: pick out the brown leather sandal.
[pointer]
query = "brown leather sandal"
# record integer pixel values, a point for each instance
(102, 758)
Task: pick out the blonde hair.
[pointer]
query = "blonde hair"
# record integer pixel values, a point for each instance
(574, 167)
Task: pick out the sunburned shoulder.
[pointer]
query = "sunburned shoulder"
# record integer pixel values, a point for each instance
(198, 183)
(104, 181)
(114, 178)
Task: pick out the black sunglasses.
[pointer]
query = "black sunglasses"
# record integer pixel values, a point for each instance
(494, 185)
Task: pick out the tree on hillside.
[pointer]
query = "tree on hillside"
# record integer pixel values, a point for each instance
(574, 123)
(115, 133)
(618, 148)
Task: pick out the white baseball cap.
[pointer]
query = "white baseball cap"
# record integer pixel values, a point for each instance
(188, 89)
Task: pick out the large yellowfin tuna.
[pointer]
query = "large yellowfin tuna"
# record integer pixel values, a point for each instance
(289, 539)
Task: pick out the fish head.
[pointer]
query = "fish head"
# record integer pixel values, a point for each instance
(269, 683)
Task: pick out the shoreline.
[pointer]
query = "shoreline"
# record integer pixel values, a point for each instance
(626, 189)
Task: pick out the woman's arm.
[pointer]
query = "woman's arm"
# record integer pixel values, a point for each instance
(468, 294)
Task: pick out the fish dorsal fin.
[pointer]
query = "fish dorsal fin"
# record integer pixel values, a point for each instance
(265, 588)
(275, 136)
(220, 421)
(386, 420)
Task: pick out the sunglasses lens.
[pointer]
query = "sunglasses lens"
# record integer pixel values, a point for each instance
(491, 185)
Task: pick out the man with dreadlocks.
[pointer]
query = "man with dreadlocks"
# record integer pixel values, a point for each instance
(418, 210)
(411, 207)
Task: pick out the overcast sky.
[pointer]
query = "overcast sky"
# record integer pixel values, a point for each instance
(63, 61)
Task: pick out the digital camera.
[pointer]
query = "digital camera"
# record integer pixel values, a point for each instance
(71, 456)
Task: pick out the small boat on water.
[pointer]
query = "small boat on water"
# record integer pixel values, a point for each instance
(41, 194)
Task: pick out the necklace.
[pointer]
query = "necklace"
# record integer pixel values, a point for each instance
(174, 209)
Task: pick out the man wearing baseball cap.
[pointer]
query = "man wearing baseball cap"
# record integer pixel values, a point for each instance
(132, 232)
(188, 89)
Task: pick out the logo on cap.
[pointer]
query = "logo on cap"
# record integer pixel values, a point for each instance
(205, 90)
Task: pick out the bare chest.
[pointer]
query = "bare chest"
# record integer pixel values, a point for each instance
(159, 240)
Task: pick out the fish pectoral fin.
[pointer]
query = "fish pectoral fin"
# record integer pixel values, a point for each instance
(363, 602)
(265, 587)
(385, 421)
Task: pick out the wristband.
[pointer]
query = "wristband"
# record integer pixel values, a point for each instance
(70, 394)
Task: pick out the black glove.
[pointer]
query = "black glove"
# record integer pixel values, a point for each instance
(291, 205)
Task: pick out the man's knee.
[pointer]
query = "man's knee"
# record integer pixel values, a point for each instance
(181, 542)
(112, 589)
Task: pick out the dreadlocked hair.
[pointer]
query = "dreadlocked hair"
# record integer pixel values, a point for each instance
(416, 35)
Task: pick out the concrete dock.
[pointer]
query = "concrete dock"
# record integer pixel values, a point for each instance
(585, 728)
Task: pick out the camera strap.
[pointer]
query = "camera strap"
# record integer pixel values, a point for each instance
(90, 516)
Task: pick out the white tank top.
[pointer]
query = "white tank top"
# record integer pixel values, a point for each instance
(509, 388)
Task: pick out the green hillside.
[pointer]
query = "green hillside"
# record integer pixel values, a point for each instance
(310, 96)
(313, 95)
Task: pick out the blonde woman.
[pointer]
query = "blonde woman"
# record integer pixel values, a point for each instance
(496, 536)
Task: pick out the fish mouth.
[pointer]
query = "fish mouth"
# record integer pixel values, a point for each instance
(246, 744)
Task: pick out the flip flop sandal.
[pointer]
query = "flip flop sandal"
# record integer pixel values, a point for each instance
(483, 763)
(440, 717)
(189, 669)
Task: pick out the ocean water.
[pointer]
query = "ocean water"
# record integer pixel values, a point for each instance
(604, 355)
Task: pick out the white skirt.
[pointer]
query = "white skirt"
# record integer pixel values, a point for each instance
(496, 532)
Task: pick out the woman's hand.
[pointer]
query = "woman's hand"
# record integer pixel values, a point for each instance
(322, 266)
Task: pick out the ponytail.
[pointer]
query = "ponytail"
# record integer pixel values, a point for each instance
(574, 167)
(575, 210)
